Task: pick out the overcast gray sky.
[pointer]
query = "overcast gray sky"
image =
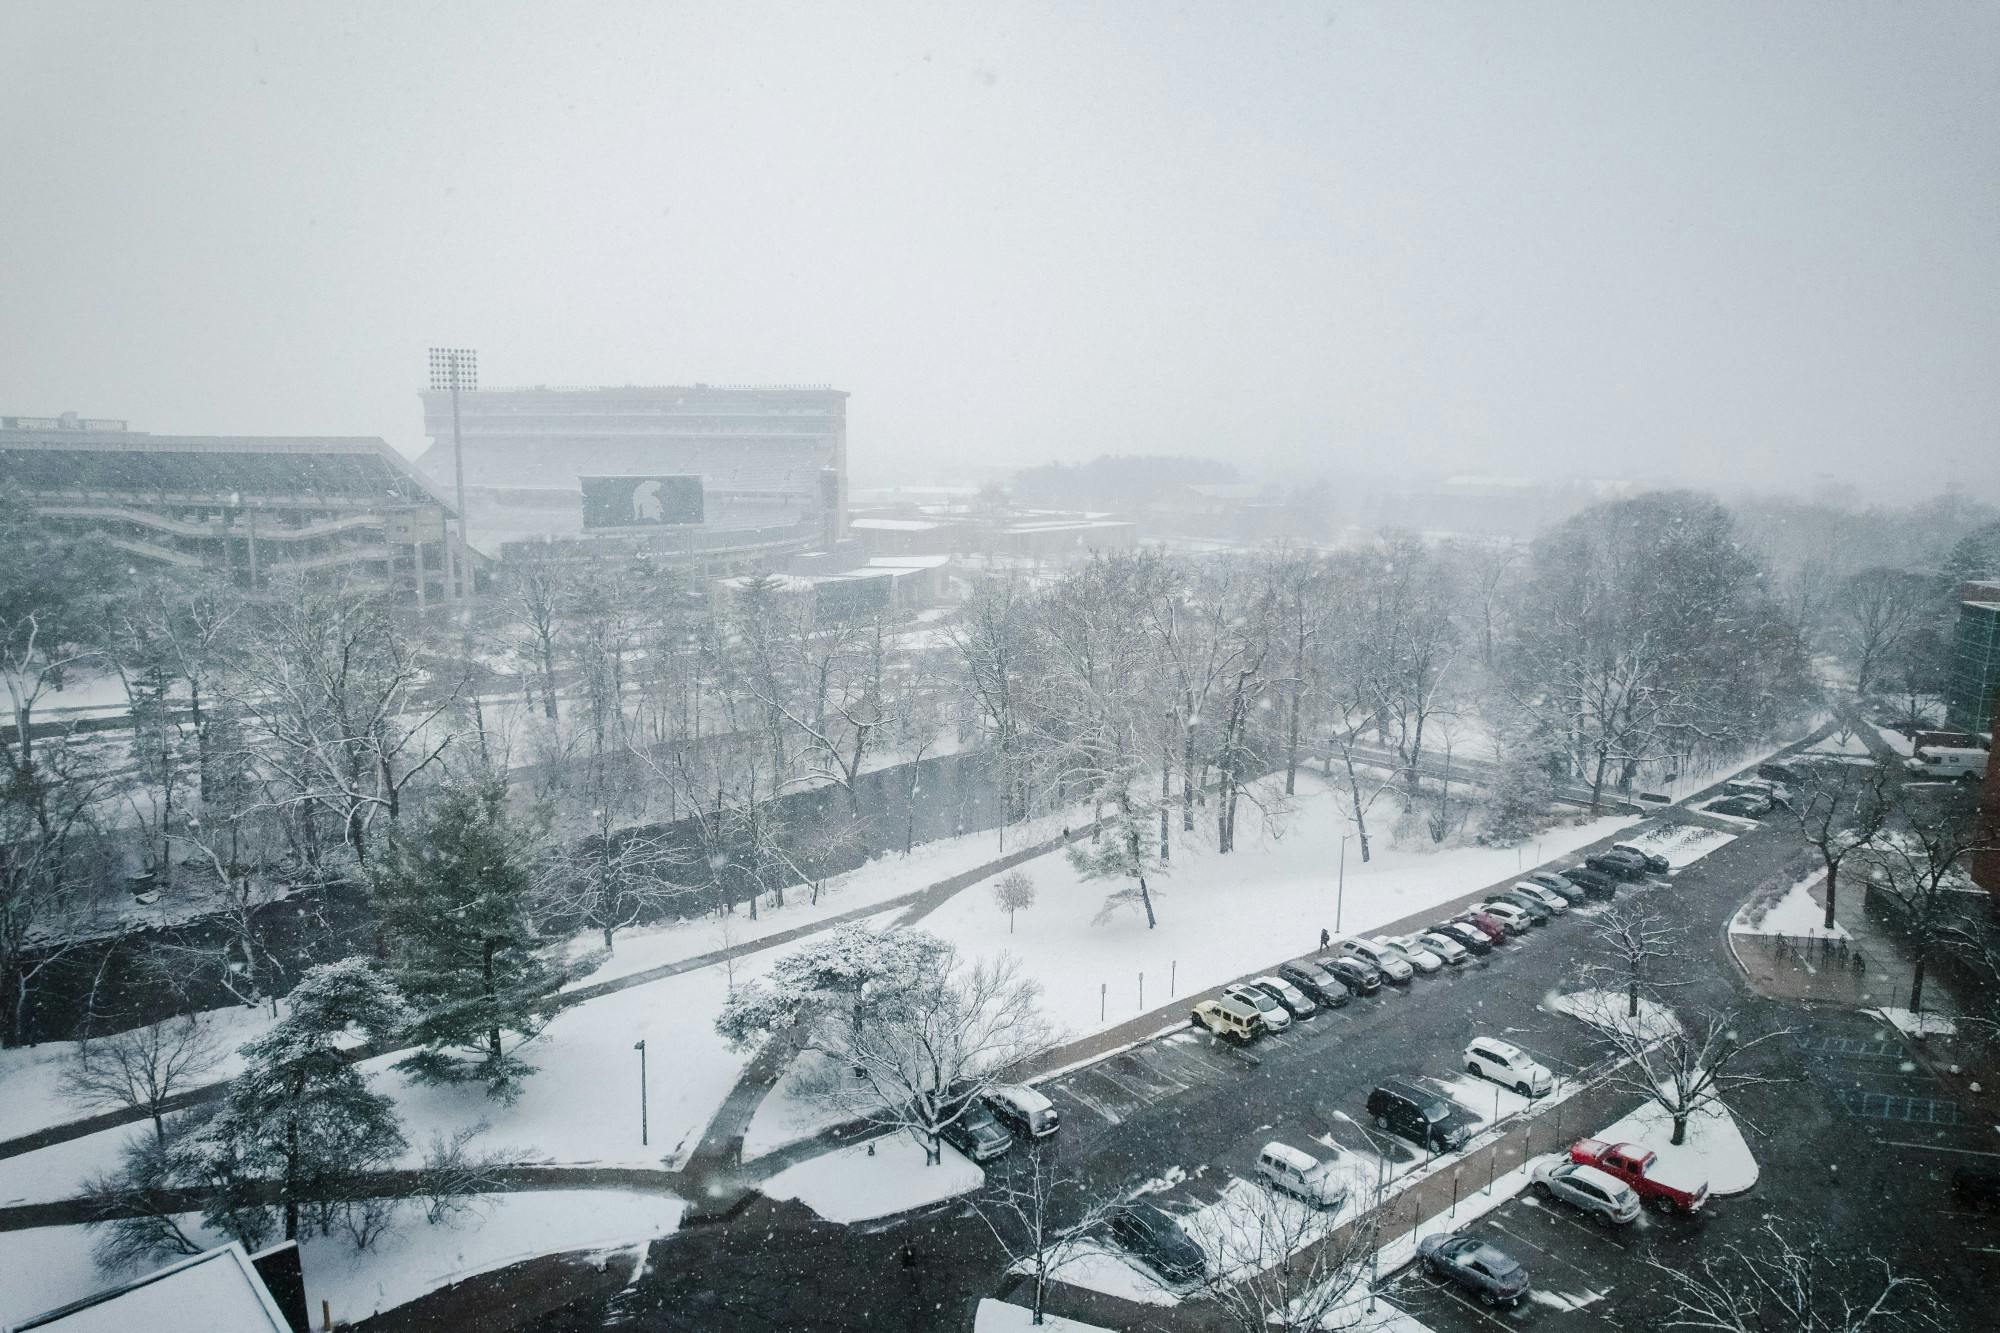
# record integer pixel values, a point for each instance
(1753, 241)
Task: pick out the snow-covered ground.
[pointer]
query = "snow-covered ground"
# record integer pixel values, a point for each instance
(31, 1075)
(1715, 1150)
(1220, 917)
(892, 875)
(581, 1107)
(1000, 1317)
(51, 1266)
(1912, 1024)
(1841, 745)
(877, 1178)
(1795, 912)
(1681, 844)
(1611, 1009)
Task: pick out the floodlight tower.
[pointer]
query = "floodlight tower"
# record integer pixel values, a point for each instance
(456, 368)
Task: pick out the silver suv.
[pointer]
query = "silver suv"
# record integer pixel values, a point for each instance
(1606, 1198)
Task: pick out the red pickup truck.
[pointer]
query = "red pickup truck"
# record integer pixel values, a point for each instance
(1635, 1166)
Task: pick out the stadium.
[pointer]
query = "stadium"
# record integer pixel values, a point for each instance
(258, 510)
(731, 478)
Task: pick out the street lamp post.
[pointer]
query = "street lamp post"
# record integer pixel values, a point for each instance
(1340, 896)
(640, 1047)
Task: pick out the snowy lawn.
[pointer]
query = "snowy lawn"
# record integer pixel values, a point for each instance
(51, 1266)
(1796, 912)
(1000, 1317)
(892, 875)
(1610, 1009)
(581, 1107)
(1715, 1150)
(30, 1075)
(59, 1172)
(874, 1179)
(1221, 917)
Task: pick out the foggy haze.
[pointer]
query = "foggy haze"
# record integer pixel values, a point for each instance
(1734, 245)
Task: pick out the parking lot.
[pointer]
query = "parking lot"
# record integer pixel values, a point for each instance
(1870, 1140)
(1169, 1114)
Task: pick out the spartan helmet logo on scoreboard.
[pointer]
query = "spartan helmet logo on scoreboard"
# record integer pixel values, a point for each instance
(646, 504)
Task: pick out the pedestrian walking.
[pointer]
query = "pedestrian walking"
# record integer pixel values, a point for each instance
(1324, 938)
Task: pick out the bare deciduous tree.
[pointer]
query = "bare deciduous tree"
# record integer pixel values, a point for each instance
(1040, 1210)
(1634, 945)
(142, 1067)
(1843, 809)
(1688, 1070)
(1783, 1280)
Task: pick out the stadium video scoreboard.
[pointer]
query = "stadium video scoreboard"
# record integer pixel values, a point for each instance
(641, 502)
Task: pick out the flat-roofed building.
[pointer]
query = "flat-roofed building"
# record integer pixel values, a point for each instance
(1974, 675)
(256, 510)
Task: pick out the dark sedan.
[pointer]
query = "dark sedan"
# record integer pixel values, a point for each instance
(1740, 806)
(1315, 981)
(1615, 865)
(1471, 936)
(1559, 884)
(1158, 1239)
(1354, 974)
(1492, 1275)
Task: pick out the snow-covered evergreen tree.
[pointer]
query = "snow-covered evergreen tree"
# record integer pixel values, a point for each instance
(455, 895)
(299, 1127)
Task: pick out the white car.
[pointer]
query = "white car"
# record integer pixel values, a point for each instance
(1504, 1062)
(1444, 946)
(1507, 915)
(1416, 955)
(1396, 968)
(1274, 1015)
(1549, 898)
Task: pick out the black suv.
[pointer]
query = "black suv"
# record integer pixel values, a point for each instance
(978, 1134)
(1418, 1114)
(1791, 775)
(1561, 884)
(1537, 910)
(1158, 1239)
(1357, 976)
(1594, 883)
(1316, 981)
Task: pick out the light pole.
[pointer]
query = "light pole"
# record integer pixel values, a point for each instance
(1340, 897)
(640, 1047)
(455, 368)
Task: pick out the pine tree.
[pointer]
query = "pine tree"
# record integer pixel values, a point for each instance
(454, 895)
(299, 1128)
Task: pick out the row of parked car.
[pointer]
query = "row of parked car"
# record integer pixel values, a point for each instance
(1362, 966)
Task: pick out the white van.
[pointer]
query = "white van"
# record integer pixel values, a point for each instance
(1938, 761)
(1301, 1175)
(1023, 1110)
